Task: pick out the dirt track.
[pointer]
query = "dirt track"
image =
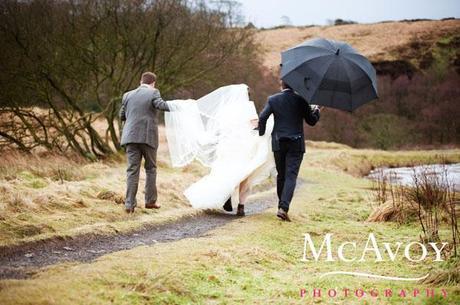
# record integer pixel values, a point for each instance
(23, 261)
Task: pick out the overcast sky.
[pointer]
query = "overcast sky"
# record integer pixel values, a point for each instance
(266, 13)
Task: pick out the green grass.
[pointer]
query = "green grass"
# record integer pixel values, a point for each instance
(32, 181)
(252, 260)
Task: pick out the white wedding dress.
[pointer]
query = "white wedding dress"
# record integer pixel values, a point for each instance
(216, 130)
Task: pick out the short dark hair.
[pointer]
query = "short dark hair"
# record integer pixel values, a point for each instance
(285, 85)
(148, 78)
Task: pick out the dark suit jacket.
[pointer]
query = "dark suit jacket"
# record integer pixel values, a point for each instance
(289, 110)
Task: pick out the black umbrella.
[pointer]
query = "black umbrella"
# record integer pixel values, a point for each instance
(329, 73)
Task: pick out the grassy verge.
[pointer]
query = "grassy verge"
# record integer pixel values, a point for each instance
(253, 260)
(42, 198)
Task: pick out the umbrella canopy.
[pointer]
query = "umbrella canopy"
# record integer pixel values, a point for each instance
(329, 73)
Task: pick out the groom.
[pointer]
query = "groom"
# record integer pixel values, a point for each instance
(288, 143)
(140, 136)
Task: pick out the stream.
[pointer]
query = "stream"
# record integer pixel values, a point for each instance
(404, 175)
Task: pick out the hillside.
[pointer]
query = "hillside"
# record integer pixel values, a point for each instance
(393, 47)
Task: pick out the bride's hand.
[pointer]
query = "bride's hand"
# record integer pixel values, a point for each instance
(254, 123)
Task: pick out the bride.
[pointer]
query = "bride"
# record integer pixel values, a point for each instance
(218, 130)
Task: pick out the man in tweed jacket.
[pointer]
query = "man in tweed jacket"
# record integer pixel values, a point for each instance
(140, 137)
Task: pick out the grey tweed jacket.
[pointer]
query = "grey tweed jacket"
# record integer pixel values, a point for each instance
(139, 111)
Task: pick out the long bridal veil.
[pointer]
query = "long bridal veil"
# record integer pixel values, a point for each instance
(216, 131)
(195, 128)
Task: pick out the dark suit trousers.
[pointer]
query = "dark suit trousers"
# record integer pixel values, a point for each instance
(287, 159)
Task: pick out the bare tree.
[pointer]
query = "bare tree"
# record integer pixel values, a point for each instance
(75, 58)
(231, 11)
(286, 21)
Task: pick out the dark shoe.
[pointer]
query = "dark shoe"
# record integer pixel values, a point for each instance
(240, 210)
(129, 210)
(283, 215)
(152, 205)
(228, 205)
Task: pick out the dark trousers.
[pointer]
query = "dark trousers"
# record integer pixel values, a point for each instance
(287, 159)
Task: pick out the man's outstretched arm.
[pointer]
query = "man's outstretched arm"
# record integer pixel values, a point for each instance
(158, 102)
(263, 117)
